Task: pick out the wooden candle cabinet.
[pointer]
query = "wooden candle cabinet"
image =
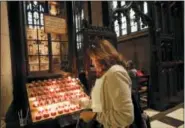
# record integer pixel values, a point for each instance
(52, 98)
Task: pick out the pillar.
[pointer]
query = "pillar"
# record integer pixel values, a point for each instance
(5, 59)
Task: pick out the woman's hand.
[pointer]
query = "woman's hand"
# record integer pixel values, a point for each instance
(87, 115)
(82, 104)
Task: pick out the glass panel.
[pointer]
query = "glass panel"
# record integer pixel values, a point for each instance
(56, 63)
(76, 21)
(124, 25)
(30, 21)
(117, 32)
(35, 3)
(124, 31)
(55, 37)
(132, 13)
(116, 27)
(41, 19)
(44, 59)
(44, 67)
(29, 6)
(122, 3)
(37, 39)
(78, 47)
(133, 26)
(123, 20)
(116, 23)
(132, 23)
(141, 25)
(55, 48)
(42, 35)
(31, 34)
(41, 9)
(145, 8)
(34, 67)
(82, 14)
(79, 41)
(43, 48)
(35, 14)
(33, 60)
(29, 14)
(44, 63)
(36, 18)
(114, 3)
(32, 48)
(79, 14)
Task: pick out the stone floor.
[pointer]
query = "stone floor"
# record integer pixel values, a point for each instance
(172, 118)
(3, 125)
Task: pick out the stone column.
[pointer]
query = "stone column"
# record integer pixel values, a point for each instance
(5, 59)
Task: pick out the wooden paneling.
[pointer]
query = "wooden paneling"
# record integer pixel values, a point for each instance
(137, 50)
(96, 13)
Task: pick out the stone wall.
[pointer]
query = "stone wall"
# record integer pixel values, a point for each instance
(6, 71)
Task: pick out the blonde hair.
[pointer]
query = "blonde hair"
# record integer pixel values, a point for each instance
(105, 54)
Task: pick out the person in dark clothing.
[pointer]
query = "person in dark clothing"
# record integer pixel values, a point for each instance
(133, 72)
(83, 80)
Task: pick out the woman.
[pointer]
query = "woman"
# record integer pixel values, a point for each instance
(111, 96)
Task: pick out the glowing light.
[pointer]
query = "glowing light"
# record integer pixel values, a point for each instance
(69, 78)
(33, 99)
(36, 103)
(41, 109)
(51, 89)
(73, 79)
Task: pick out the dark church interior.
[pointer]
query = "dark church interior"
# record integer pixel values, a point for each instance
(44, 64)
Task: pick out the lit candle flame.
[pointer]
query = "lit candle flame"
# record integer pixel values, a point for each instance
(32, 99)
(51, 89)
(69, 77)
(73, 79)
(40, 109)
(36, 103)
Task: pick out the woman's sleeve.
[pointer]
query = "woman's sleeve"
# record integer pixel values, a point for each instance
(117, 87)
(86, 104)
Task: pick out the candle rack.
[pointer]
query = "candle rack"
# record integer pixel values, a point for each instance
(52, 98)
